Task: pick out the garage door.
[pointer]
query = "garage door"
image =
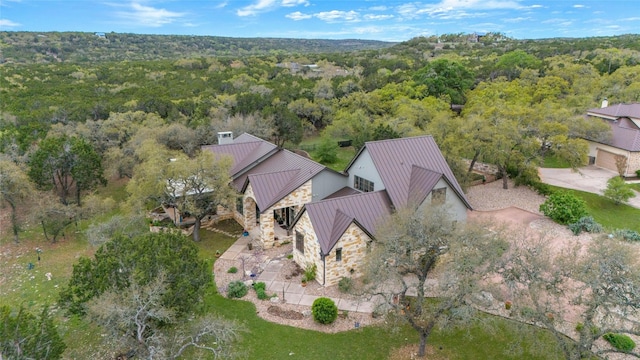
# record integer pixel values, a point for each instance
(606, 160)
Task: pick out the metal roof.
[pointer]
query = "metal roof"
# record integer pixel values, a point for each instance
(395, 160)
(631, 111)
(624, 120)
(245, 150)
(277, 176)
(331, 217)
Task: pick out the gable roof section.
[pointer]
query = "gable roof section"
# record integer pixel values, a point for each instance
(624, 120)
(331, 218)
(245, 151)
(421, 183)
(632, 111)
(395, 159)
(277, 176)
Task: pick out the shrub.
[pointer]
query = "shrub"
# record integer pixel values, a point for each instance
(628, 235)
(310, 272)
(290, 256)
(237, 289)
(585, 223)
(260, 286)
(620, 341)
(324, 310)
(638, 173)
(345, 284)
(262, 295)
(618, 191)
(564, 208)
(232, 270)
(542, 188)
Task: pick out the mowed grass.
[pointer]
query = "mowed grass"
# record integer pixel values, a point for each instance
(606, 212)
(345, 154)
(554, 162)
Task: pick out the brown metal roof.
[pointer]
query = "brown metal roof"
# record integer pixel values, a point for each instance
(421, 183)
(624, 120)
(345, 191)
(395, 159)
(631, 111)
(277, 176)
(331, 217)
(245, 151)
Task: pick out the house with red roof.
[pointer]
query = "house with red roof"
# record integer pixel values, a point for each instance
(623, 148)
(331, 217)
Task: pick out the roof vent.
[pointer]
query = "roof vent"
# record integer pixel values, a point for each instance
(225, 137)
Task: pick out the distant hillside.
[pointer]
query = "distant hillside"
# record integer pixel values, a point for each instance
(33, 47)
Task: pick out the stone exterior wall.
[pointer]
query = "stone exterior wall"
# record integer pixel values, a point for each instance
(249, 209)
(354, 249)
(311, 253)
(295, 199)
(483, 168)
(634, 163)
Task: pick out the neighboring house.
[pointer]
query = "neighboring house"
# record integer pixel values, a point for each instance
(329, 216)
(624, 147)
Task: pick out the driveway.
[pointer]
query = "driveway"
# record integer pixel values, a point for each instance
(590, 179)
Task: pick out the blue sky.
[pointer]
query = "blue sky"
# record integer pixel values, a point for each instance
(327, 19)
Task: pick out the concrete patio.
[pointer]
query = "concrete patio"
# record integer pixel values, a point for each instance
(292, 291)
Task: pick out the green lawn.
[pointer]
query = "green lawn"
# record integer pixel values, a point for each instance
(554, 162)
(635, 186)
(606, 212)
(345, 154)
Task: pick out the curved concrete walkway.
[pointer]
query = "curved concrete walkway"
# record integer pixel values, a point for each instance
(590, 179)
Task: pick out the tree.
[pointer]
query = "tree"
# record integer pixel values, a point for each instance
(415, 246)
(195, 186)
(53, 216)
(287, 126)
(124, 260)
(578, 294)
(15, 187)
(64, 163)
(444, 77)
(327, 152)
(618, 191)
(25, 336)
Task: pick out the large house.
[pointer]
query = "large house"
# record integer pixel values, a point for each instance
(331, 217)
(623, 149)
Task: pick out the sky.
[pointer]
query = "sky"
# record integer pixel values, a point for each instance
(388, 20)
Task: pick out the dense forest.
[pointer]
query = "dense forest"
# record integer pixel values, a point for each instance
(284, 90)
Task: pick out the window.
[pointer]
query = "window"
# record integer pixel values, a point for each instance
(239, 206)
(339, 254)
(438, 196)
(362, 184)
(299, 242)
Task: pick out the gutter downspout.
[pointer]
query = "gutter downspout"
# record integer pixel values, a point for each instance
(323, 257)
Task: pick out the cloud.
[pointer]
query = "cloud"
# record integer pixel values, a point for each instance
(578, 6)
(378, 8)
(377, 17)
(290, 3)
(222, 5)
(337, 15)
(455, 9)
(262, 6)
(147, 15)
(8, 23)
(298, 16)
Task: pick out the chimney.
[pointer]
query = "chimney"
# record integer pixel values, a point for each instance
(605, 103)
(225, 137)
